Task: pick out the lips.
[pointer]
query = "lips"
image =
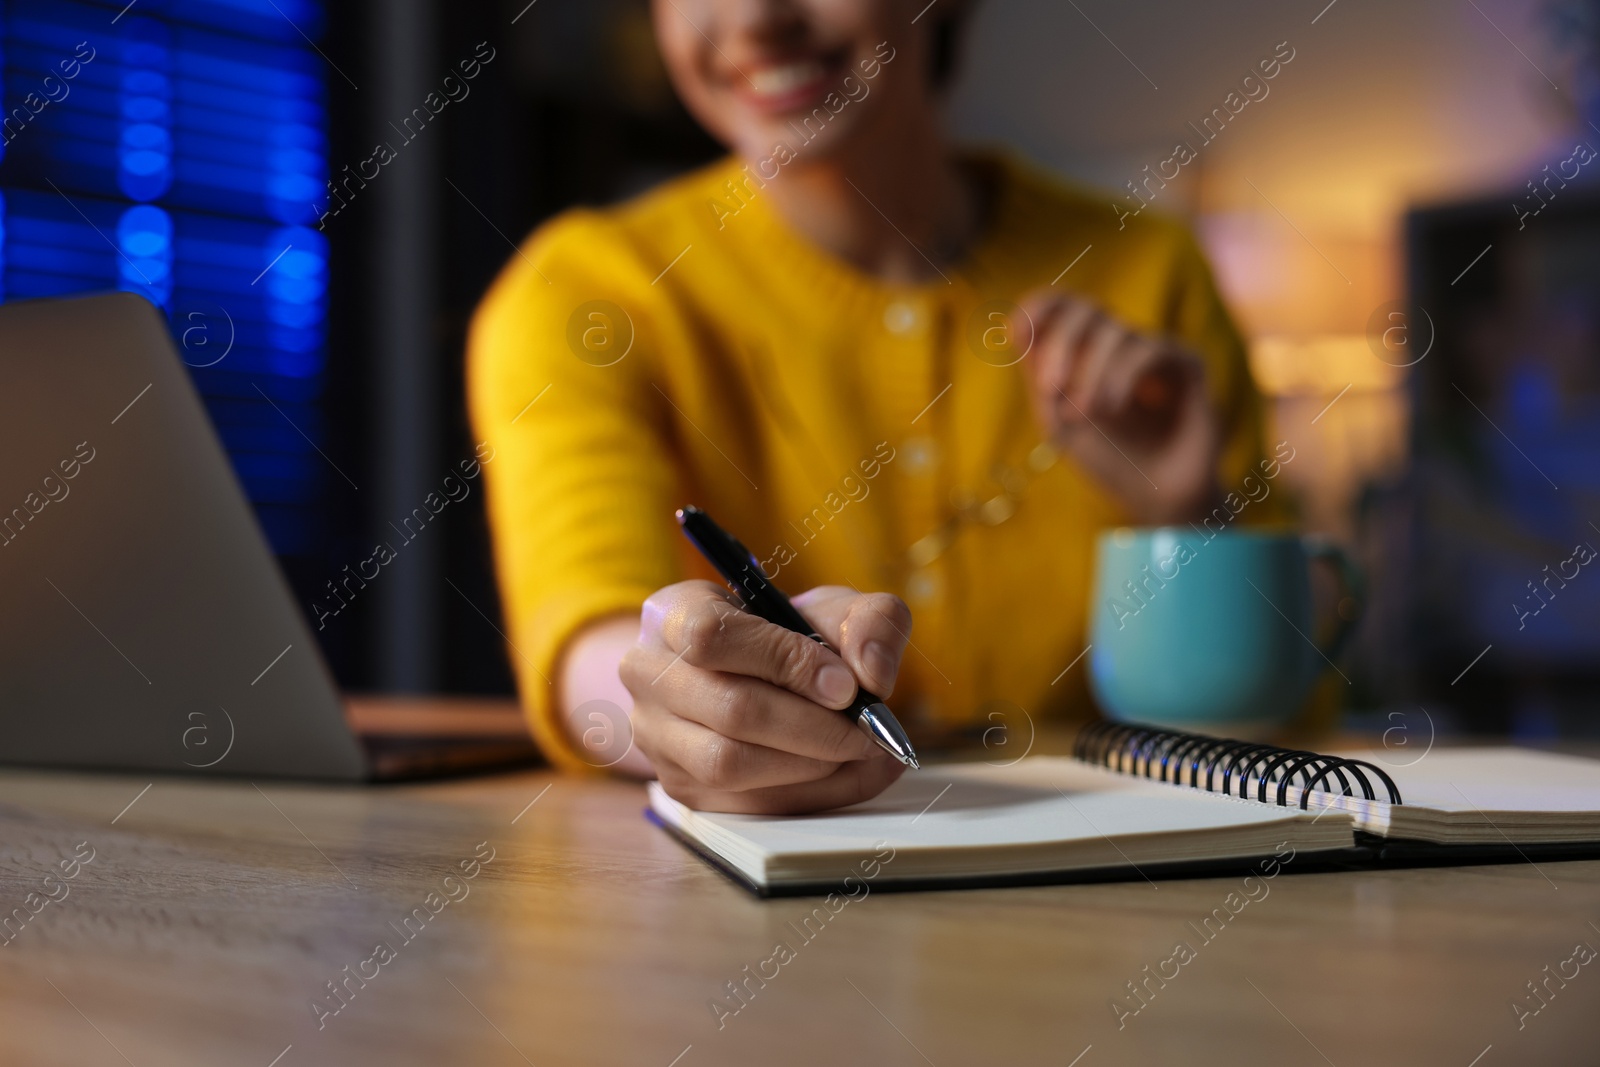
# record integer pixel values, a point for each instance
(791, 85)
(776, 81)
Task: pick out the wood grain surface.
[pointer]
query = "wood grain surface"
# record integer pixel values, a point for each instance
(551, 925)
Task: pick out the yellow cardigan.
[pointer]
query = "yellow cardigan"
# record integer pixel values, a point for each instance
(687, 347)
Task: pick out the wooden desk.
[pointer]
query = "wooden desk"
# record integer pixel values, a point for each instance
(214, 912)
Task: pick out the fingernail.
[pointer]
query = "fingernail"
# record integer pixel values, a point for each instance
(879, 662)
(835, 684)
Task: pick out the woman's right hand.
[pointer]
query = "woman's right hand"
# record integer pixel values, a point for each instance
(739, 714)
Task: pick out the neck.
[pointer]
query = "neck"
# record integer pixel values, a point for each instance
(897, 205)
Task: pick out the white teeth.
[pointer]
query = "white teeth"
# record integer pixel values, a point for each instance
(774, 81)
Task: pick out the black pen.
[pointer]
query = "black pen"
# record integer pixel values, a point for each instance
(765, 601)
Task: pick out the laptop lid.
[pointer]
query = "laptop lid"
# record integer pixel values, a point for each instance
(144, 622)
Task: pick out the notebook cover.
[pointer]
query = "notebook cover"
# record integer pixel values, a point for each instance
(1370, 853)
(1358, 858)
(1398, 852)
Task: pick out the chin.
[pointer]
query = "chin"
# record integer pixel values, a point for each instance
(808, 137)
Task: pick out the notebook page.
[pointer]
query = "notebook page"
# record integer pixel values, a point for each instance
(1484, 793)
(1040, 799)
(1493, 780)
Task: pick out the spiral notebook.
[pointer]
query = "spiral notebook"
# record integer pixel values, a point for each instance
(1141, 803)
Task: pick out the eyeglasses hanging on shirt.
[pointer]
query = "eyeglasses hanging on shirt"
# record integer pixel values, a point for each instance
(971, 510)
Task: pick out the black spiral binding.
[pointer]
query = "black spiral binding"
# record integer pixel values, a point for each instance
(1182, 758)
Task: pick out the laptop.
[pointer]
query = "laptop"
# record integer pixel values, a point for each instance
(144, 622)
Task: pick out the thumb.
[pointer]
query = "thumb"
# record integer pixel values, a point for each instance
(1031, 319)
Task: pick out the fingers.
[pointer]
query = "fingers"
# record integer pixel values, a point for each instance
(1033, 326)
(722, 764)
(704, 628)
(850, 783)
(738, 714)
(1036, 315)
(1071, 343)
(1058, 344)
(746, 709)
(870, 630)
(1089, 366)
(1105, 344)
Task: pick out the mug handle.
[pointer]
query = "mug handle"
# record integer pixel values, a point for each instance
(1352, 586)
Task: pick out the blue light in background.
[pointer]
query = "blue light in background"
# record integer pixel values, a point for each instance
(144, 152)
(297, 287)
(191, 151)
(144, 237)
(3, 139)
(298, 161)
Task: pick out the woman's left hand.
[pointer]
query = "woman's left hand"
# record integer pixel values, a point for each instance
(1131, 408)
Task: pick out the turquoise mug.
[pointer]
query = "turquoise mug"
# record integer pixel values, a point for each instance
(1210, 631)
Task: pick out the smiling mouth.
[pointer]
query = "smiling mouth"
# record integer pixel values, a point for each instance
(777, 81)
(790, 86)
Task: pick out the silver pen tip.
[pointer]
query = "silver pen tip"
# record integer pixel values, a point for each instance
(885, 729)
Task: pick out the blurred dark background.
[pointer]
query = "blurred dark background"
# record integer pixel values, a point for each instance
(573, 109)
(1389, 172)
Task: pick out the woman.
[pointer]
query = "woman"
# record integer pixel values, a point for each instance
(915, 382)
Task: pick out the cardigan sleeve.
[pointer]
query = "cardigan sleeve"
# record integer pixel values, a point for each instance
(581, 479)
